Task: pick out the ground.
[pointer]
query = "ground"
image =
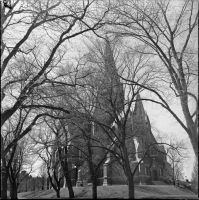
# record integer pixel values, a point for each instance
(117, 191)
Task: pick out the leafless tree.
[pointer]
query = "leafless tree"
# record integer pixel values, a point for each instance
(28, 61)
(59, 130)
(176, 157)
(14, 127)
(45, 146)
(168, 31)
(20, 161)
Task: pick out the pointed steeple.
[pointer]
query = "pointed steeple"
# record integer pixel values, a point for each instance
(110, 70)
(110, 88)
(114, 83)
(110, 67)
(139, 111)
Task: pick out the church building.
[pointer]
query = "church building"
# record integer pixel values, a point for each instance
(140, 140)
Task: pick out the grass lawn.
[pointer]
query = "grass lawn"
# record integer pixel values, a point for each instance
(116, 191)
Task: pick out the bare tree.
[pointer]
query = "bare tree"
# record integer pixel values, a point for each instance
(14, 127)
(46, 151)
(168, 32)
(58, 128)
(23, 67)
(20, 161)
(177, 154)
(176, 157)
(37, 19)
(55, 144)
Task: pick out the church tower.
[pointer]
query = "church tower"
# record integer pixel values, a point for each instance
(110, 93)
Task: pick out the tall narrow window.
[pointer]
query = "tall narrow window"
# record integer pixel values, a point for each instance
(96, 128)
(161, 172)
(147, 171)
(93, 128)
(80, 153)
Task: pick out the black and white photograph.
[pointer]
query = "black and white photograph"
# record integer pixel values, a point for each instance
(99, 99)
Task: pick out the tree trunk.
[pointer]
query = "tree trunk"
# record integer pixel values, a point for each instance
(43, 183)
(4, 185)
(6, 115)
(193, 131)
(129, 174)
(4, 179)
(57, 189)
(194, 142)
(131, 187)
(58, 193)
(64, 165)
(69, 185)
(13, 192)
(94, 187)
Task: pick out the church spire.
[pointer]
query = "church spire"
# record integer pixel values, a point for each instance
(115, 85)
(110, 90)
(109, 63)
(139, 111)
